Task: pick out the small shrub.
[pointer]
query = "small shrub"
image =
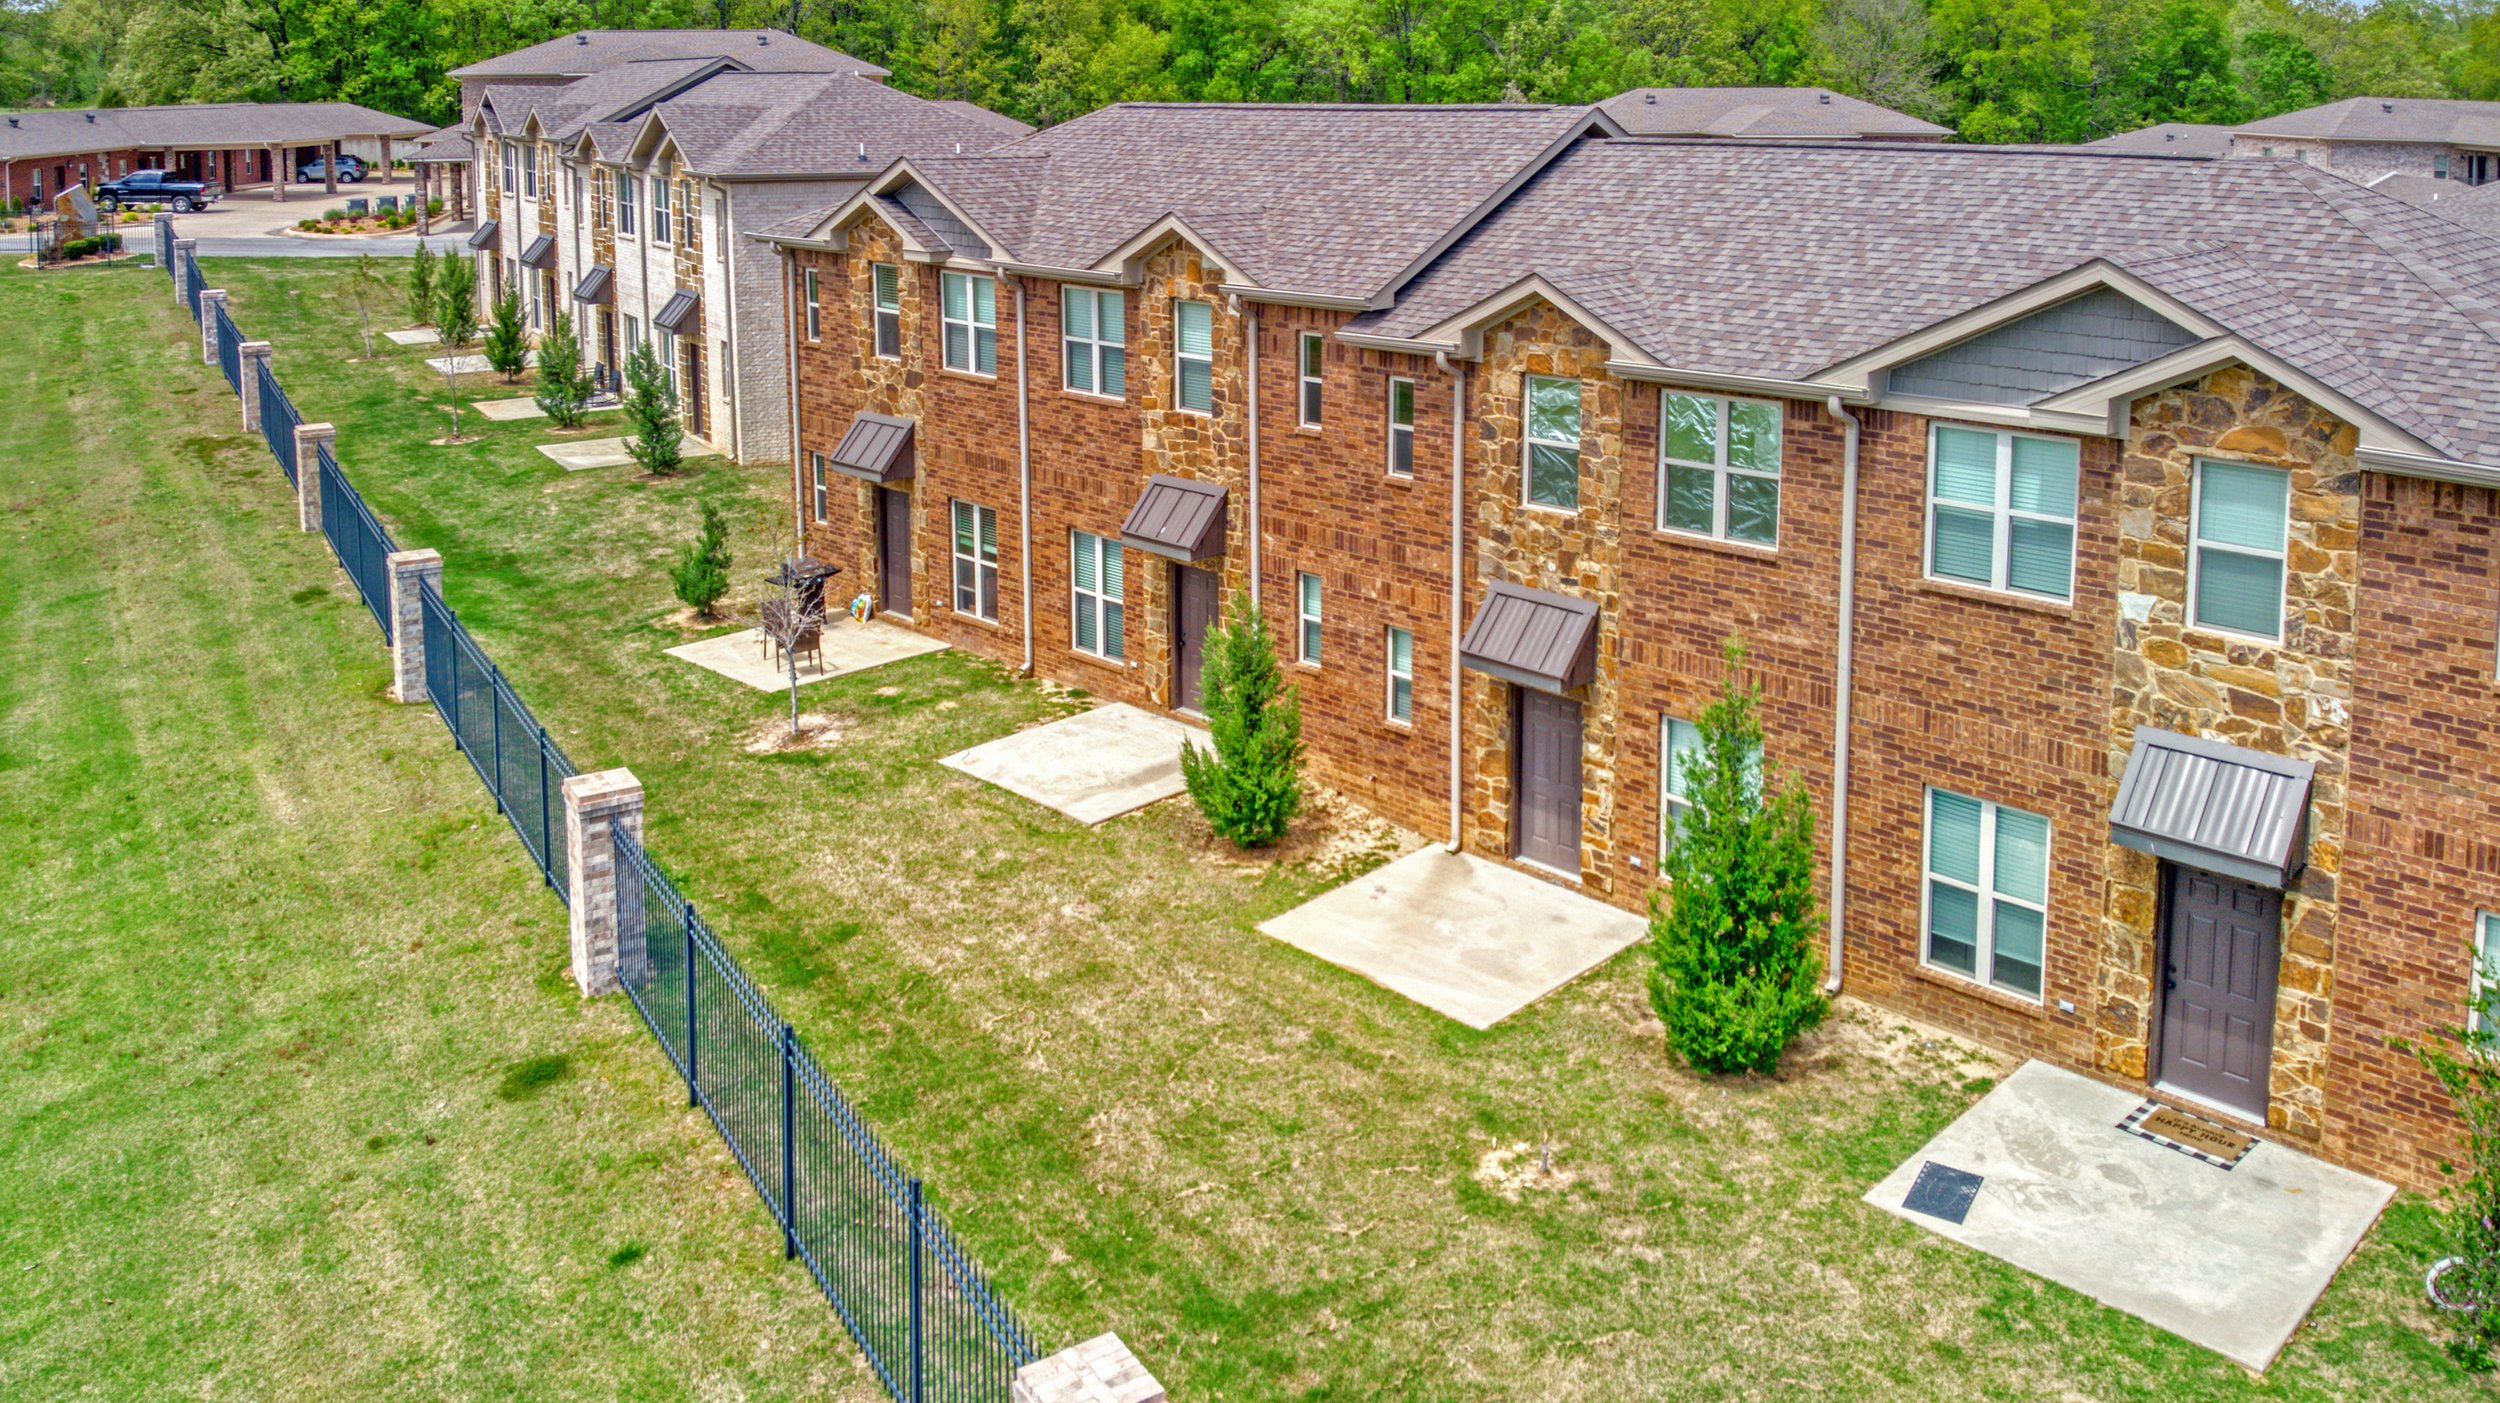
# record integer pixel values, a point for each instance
(455, 300)
(334, 215)
(2466, 1063)
(1251, 786)
(564, 387)
(651, 408)
(421, 286)
(508, 338)
(702, 573)
(1737, 974)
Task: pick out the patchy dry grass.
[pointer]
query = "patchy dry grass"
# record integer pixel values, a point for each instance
(1266, 1173)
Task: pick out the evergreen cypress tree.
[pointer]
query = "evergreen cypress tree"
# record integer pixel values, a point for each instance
(563, 385)
(508, 338)
(651, 409)
(421, 286)
(455, 296)
(702, 573)
(1251, 786)
(1733, 931)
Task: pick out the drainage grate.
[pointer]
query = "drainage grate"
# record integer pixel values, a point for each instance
(1942, 1191)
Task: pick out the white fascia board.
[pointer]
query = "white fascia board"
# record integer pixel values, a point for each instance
(1286, 297)
(2435, 467)
(1090, 277)
(2110, 398)
(1857, 373)
(2007, 416)
(1597, 122)
(1651, 373)
(1399, 344)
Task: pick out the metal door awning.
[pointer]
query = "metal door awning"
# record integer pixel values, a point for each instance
(489, 235)
(1532, 637)
(540, 253)
(597, 287)
(1178, 518)
(676, 312)
(2210, 804)
(878, 447)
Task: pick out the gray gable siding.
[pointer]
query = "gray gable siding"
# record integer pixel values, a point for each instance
(2052, 350)
(942, 222)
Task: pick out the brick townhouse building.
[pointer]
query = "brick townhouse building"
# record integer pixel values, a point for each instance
(622, 171)
(2112, 536)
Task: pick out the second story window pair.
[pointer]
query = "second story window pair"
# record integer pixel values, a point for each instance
(1719, 463)
(970, 317)
(1094, 332)
(2001, 510)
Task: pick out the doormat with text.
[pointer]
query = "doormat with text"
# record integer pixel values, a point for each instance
(2195, 1136)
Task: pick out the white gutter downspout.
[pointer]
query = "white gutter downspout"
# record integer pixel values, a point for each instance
(1844, 687)
(1252, 320)
(1024, 483)
(1458, 561)
(729, 295)
(791, 313)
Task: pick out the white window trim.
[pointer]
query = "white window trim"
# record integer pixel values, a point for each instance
(1081, 598)
(1092, 346)
(628, 189)
(817, 486)
(1310, 391)
(1181, 357)
(1398, 430)
(1389, 667)
(1984, 937)
(2003, 512)
(878, 311)
(1668, 804)
(1307, 608)
(1529, 443)
(1721, 470)
(955, 546)
(971, 323)
(815, 306)
(2197, 546)
(661, 229)
(2486, 934)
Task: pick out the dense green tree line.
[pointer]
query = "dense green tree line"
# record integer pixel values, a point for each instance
(1996, 70)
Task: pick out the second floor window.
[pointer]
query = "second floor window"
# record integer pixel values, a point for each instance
(971, 317)
(1094, 333)
(659, 209)
(976, 561)
(626, 185)
(1193, 356)
(886, 284)
(686, 212)
(1097, 596)
(1719, 463)
(1314, 360)
(529, 175)
(2001, 511)
(2242, 533)
(1307, 603)
(1553, 463)
(1402, 428)
(511, 164)
(815, 309)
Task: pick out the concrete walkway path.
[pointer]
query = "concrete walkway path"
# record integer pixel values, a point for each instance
(584, 454)
(2232, 1259)
(1093, 766)
(849, 646)
(1458, 934)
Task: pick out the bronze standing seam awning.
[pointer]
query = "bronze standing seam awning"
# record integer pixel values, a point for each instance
(1532, 637)
(540, 253)
(2214, 805)
(597, 287)
(878, 447)
(1177, 517)
(489, 235)
(676, 312)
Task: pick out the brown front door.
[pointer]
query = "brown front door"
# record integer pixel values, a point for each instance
(1545, 763)
(607, 348)
(894, 551)
(2220, 945)
(1194, 610)
(695, 398)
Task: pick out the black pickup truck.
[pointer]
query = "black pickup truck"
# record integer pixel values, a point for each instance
(153, 187)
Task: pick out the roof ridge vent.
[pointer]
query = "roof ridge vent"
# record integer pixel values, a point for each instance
(1650, 98)
(2387, 107)
(580, 37)
(91, 116)
(1826, 99)
(763, 37)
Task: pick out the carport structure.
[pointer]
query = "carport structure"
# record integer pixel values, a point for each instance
(44, 151)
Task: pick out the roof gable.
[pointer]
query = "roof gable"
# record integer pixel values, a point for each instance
(2033, 357)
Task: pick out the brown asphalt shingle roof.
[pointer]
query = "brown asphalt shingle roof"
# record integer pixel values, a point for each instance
(2194, 139)
(1324, 199)
(563, 112)
(800, 125)
(1703, 255)
(66, 131)
(595, 50)
(1759, 113)
(2389, 119)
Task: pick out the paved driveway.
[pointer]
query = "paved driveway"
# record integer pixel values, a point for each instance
(246, 224)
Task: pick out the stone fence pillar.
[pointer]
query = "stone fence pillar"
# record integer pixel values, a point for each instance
(182, 287)
(309, 439)
(411, 571)
(254, 355)
(213, 298)
(1101, 1370)
(605, 913)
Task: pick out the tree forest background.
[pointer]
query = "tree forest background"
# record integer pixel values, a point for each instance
(1994, 70)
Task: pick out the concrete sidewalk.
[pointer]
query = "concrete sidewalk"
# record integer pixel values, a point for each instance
(1093, 766)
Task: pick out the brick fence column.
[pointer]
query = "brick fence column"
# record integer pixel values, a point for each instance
(410, 571)
(309, 439)
(254, 354)
(1101, 1370)
(182, 291)
(213, 298)
(606, 906)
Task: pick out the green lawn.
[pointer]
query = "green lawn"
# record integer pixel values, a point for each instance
(269, 959)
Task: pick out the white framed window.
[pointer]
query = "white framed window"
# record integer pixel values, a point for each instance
(1679, 747)
(1097, 581)
(659, 208)
(1719, 467)
(1987, 892)
(2241, 526)
(815, 308)
(886, 291)
(691, 227)
(2001, 510)
(971, 323)
(1401, 427)
(816, 488)
(1094, 340)
(633, 335)
(1306, 608)
(1193, 356)
(2439, 166)
(626, 186)
(1401, 675)
(1552, 413)
(976, 561)
(529, 175)
(511, 166)
(2486, 974)
(1314, 361)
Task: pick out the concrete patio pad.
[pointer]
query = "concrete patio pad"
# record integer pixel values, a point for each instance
(414, 336)
(505, 411)
(850, 646)
(584, 454)
(2231, 1259)
(1460, 935)
(1092, 766)
(470, 365)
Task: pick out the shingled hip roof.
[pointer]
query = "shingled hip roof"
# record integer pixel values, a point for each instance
(597, 50)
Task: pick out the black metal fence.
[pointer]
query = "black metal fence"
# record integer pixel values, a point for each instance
(926, 1317)
(229, 349)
